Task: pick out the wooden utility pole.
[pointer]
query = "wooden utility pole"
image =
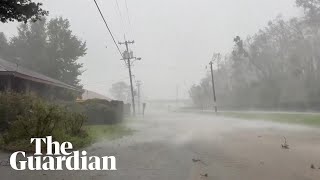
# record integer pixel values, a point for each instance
(213, 88)
(177, 96)
(128, 56)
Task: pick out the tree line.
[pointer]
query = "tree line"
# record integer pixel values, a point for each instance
(277, 68)
(48, 47)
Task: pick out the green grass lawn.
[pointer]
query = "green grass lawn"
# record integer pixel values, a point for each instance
(302, 118)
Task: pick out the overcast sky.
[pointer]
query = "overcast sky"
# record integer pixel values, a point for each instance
(175, 38)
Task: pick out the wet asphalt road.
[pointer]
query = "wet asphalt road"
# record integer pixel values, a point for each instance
(164, 144)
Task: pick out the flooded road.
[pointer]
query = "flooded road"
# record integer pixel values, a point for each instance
(186, 146)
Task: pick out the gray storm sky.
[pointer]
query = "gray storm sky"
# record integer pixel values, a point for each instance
(175, 38)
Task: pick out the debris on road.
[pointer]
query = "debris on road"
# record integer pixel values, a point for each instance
(204, 175)
(199, 160)
(285, 145)
(196, 160)
(312, 166)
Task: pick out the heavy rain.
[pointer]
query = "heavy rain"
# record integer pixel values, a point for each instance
(167, 90)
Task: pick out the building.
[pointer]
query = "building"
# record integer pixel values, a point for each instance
(93, 95)
(19, 79)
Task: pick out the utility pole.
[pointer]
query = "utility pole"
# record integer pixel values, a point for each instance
(213, 87)
(128, 56)
(139, 96)
(177, 96)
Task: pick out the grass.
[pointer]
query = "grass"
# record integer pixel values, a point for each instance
(295, 118)
(91, 134)
(100, 132)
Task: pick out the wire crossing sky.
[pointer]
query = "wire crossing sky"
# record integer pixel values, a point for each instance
(104, 20)
(176, 39)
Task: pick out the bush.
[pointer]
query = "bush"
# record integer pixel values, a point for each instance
(101, 111)
(27, 116)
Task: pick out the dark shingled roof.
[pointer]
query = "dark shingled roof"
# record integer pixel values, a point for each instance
(8, 68)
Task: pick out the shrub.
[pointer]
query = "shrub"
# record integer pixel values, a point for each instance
(27, 116)
(101, 111)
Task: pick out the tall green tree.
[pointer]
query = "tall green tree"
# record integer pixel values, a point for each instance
(278, 67)
(64, 49)
(30, 47)
(49, 48)
(4, 45)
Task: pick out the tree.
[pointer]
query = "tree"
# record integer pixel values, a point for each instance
(49, 48)
(64, 49)
(196, 95)
(30, 47)
(4, 45)
(120, 90)
(278, 67)
(20, 10)
(311, 7)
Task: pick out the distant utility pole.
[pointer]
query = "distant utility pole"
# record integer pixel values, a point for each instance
(127, 57)
(177, 96)
(216, 56)
(139, 96)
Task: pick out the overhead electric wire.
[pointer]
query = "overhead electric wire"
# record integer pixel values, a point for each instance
(128, 16)
(127, 12)
(105, 22)
(121, 19)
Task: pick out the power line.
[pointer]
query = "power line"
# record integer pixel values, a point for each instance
(125, 19)
(105, 22)
(130, 26)
(127, 11)
(121, 18)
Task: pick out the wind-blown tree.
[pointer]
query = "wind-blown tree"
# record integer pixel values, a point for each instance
(277, 67)
(4, 45)
(64, 49)
(49, 48)
(196, 95)
(20, 10)
(120, 90)
(312, 11)
(29, 47)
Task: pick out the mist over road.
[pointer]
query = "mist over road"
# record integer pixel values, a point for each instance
(165, 143)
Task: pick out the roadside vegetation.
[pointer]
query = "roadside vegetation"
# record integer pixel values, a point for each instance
(25, 116)
(49, 47)
(275, 69)
(109, 132)
(309, 119)
(95, 133)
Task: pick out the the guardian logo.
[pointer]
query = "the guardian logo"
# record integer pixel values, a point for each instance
(62, 158)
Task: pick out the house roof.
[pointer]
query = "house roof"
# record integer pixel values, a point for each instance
(8, 68)
(93, 95)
